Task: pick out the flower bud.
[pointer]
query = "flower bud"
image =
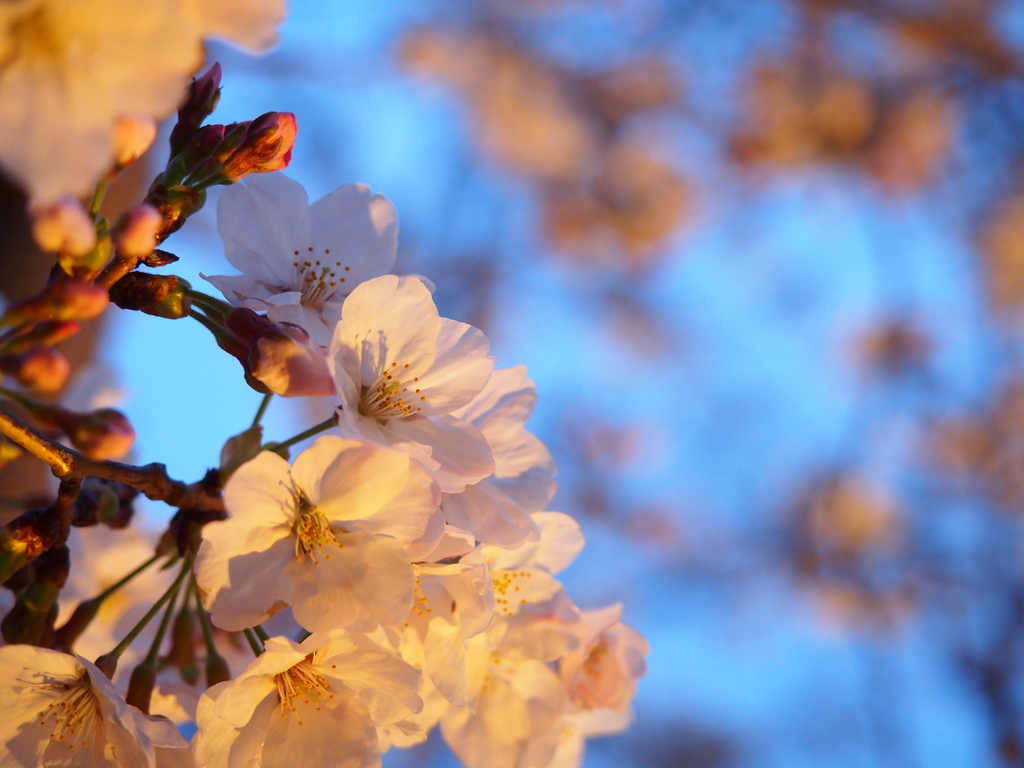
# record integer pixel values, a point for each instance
(267, 147)
(238, 450)
(98, 500)
(82, 616)
(158, 295)
(217, 670)
(175, 204)
(133, 135)
(289, 364)
(41, 369)
(48, 333)
(182, 653)
(140, 685)
(25, 538)
(62, 299)
(102, 434)
(31, 619)
(137, 230)
(201, 100)
(63, 226)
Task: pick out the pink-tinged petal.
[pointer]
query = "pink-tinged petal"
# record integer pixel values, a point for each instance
(530, 491)
(243, 590)
(444, 651)
(454, 542)
(260, 495)
(388, 320)
(359, 229)
(495, 734)
(251, 24)
(244, 291)
(160, 731)
(560, 541)
(367, 577)
(382, 679)
(505, 402)
(460, 369)
(263, 221)
(338, 733)
(460, 450)
(353, 480)
(247, 745)
(305, 317)
(490, 514)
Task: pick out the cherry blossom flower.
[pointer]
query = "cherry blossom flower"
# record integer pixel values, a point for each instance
(73, 68)
(576, 727)
(513, 718)
(313, 704)
(527, 574)
(601, 673)
(60, 709)
(497, 509)
(299, 261)
(333, 536)
(401, 370)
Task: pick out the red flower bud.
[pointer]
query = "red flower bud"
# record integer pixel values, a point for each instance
(268, 146)
(200, 101)
(62, 299)
(102, 434)
(64, 226)
(289, 364)
(49, 333)
(41, 369)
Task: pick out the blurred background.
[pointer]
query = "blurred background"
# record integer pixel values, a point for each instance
(765, 263)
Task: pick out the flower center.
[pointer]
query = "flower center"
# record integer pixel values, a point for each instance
(505, 588)
(74, 715)
(301, 684)
(312, 533)
(316, 280)
(391, 398)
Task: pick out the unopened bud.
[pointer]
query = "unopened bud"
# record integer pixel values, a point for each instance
(175, 204)
(267, 147)
(48, 333)
(102, 434)
(133, 135)
(289, 364)
(82, 616)
(182, 653)
(25, 538)
(63, 226)
(159, 295)
(107, 664)
(31, 619)
(140, 685)
(41, 369)
(238, 450)
(200, 101)
(137, 230)
(159, 258)
(63, 299)
(217, 670)
(98, 501)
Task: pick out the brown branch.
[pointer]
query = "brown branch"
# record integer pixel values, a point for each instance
(70, 465)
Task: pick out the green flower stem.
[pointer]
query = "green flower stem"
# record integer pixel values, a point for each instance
(154, 649)
(171, 592)
(98, 195)
(262, 409)
(204, 622)
(316, 430)
(206, 300)
(254, 642)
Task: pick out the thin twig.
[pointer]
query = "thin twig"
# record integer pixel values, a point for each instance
(70, 465)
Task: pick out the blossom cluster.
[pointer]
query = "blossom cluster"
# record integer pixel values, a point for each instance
(406, 561)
